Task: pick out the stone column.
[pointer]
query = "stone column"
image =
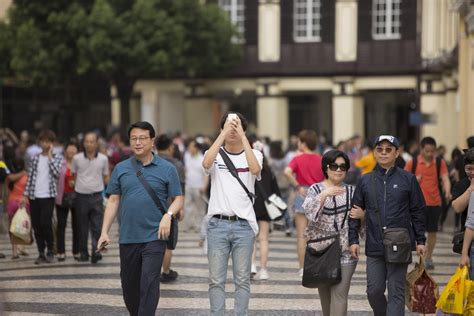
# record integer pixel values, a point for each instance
(432, 106)
(269, 30)
(346, 30)
(272, 112)
(199, 109)
(347, 111)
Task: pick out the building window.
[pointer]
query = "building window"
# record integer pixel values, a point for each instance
(386, 19)
(235, 10)
(307, 20)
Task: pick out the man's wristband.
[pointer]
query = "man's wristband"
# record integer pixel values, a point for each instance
(170, 214)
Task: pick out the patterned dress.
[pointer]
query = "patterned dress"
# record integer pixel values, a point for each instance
(323, 219)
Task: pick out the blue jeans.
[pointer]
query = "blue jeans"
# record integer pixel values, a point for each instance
(472, 261)
(224, 238)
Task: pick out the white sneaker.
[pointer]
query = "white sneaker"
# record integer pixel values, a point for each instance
(253, 270)
(300, 272)
(263, 274)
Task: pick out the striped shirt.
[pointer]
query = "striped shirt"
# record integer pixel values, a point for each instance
(54, 166)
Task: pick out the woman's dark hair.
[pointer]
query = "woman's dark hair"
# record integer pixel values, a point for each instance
(469, 156)
(71, 144)
(276, 150)
(142, 125)
(47, 135)
(330, 157)
(242, 118)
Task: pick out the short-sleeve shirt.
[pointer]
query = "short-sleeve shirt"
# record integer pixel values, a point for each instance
(139, 216)
(429, 181)
(307, 168)
(90, 172)
(227, 195)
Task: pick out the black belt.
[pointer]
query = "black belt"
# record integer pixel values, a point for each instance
(229, 218)
(89, 194)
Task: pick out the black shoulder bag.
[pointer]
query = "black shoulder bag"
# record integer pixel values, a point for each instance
(233, 172)
(173, 237)
(396, 241)
(323, 268)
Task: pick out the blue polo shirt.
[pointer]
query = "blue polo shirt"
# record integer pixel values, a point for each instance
(139, 216)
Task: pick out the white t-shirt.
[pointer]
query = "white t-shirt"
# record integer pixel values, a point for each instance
(42, 178)
(194, 173)
(227, 195)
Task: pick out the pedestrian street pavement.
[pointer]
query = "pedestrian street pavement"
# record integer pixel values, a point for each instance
(78, 288)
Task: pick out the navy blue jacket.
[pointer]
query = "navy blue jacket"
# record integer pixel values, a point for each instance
(401, 204)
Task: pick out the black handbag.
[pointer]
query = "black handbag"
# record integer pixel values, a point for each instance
(458, 240)
(173, 237)
(322, 267)
(396, 241)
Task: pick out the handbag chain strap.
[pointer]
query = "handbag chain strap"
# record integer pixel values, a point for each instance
(146, 185)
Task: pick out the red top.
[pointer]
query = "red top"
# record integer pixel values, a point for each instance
(67, 181)
(307, 168)
(16, 193)
(428, 181)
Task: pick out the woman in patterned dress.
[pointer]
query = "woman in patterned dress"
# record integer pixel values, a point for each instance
(327, 204)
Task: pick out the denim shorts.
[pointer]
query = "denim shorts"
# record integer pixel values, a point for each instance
(299, 200)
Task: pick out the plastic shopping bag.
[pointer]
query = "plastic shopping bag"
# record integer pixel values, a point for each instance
(20, 226)
(469, 307)
(453, 298)
(421, 290)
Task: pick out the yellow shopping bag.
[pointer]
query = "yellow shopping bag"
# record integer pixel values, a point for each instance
(453, 298)
(469, 307)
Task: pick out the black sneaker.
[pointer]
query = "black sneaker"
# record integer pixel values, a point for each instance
(41, 259)
(83, 258)
(2, 256)
(96, 258)
(169, 277)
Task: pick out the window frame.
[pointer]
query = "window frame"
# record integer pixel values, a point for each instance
(232, 9)
(389, 22)
(309, 27)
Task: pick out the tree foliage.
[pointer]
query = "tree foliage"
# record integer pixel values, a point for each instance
(50, 41)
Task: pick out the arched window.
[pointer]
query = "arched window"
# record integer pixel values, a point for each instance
(386, 19)
(307, 20)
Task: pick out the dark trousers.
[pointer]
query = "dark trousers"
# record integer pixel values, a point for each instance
(89, 212)
(41, 221)
(140, 267)
(62, 214)
(380, 275)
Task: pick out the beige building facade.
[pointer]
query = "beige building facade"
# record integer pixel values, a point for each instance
(442, 102)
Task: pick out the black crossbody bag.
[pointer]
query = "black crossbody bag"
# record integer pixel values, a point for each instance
(233, 172)
(396, 241)
(173, 237)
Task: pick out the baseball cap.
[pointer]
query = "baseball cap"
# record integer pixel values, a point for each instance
(389, 138)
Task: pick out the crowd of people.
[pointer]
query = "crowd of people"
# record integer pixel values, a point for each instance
(220, 188)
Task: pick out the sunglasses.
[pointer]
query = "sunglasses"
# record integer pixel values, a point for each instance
(388, 150)
(334, 166)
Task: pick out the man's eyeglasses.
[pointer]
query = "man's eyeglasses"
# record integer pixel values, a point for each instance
(141, 139)
(334, 166)
(388, 150)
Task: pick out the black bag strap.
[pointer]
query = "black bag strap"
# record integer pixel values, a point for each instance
(377, 210)
(345, 214)
(233, 172)
(146, 185)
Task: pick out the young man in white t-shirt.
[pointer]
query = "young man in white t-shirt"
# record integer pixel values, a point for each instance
(232, 223)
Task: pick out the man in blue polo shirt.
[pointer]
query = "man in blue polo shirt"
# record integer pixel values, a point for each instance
(143, 228)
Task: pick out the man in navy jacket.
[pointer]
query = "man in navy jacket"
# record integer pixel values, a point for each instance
(401, 203)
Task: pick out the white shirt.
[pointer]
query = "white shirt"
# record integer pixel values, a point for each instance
(227, 195)
(194, 172)
(42, 178)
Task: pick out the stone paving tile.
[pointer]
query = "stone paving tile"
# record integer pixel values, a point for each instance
(72, 288)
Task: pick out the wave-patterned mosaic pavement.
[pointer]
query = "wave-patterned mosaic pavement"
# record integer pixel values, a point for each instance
(73, 288)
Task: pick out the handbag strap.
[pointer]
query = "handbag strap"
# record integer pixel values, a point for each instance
(233, 172)
(146, 185)
(377, 210)
(262, 190)
(347, 210)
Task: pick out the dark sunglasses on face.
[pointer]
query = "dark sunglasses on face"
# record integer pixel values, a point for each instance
(388, 150)
(334, 166)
